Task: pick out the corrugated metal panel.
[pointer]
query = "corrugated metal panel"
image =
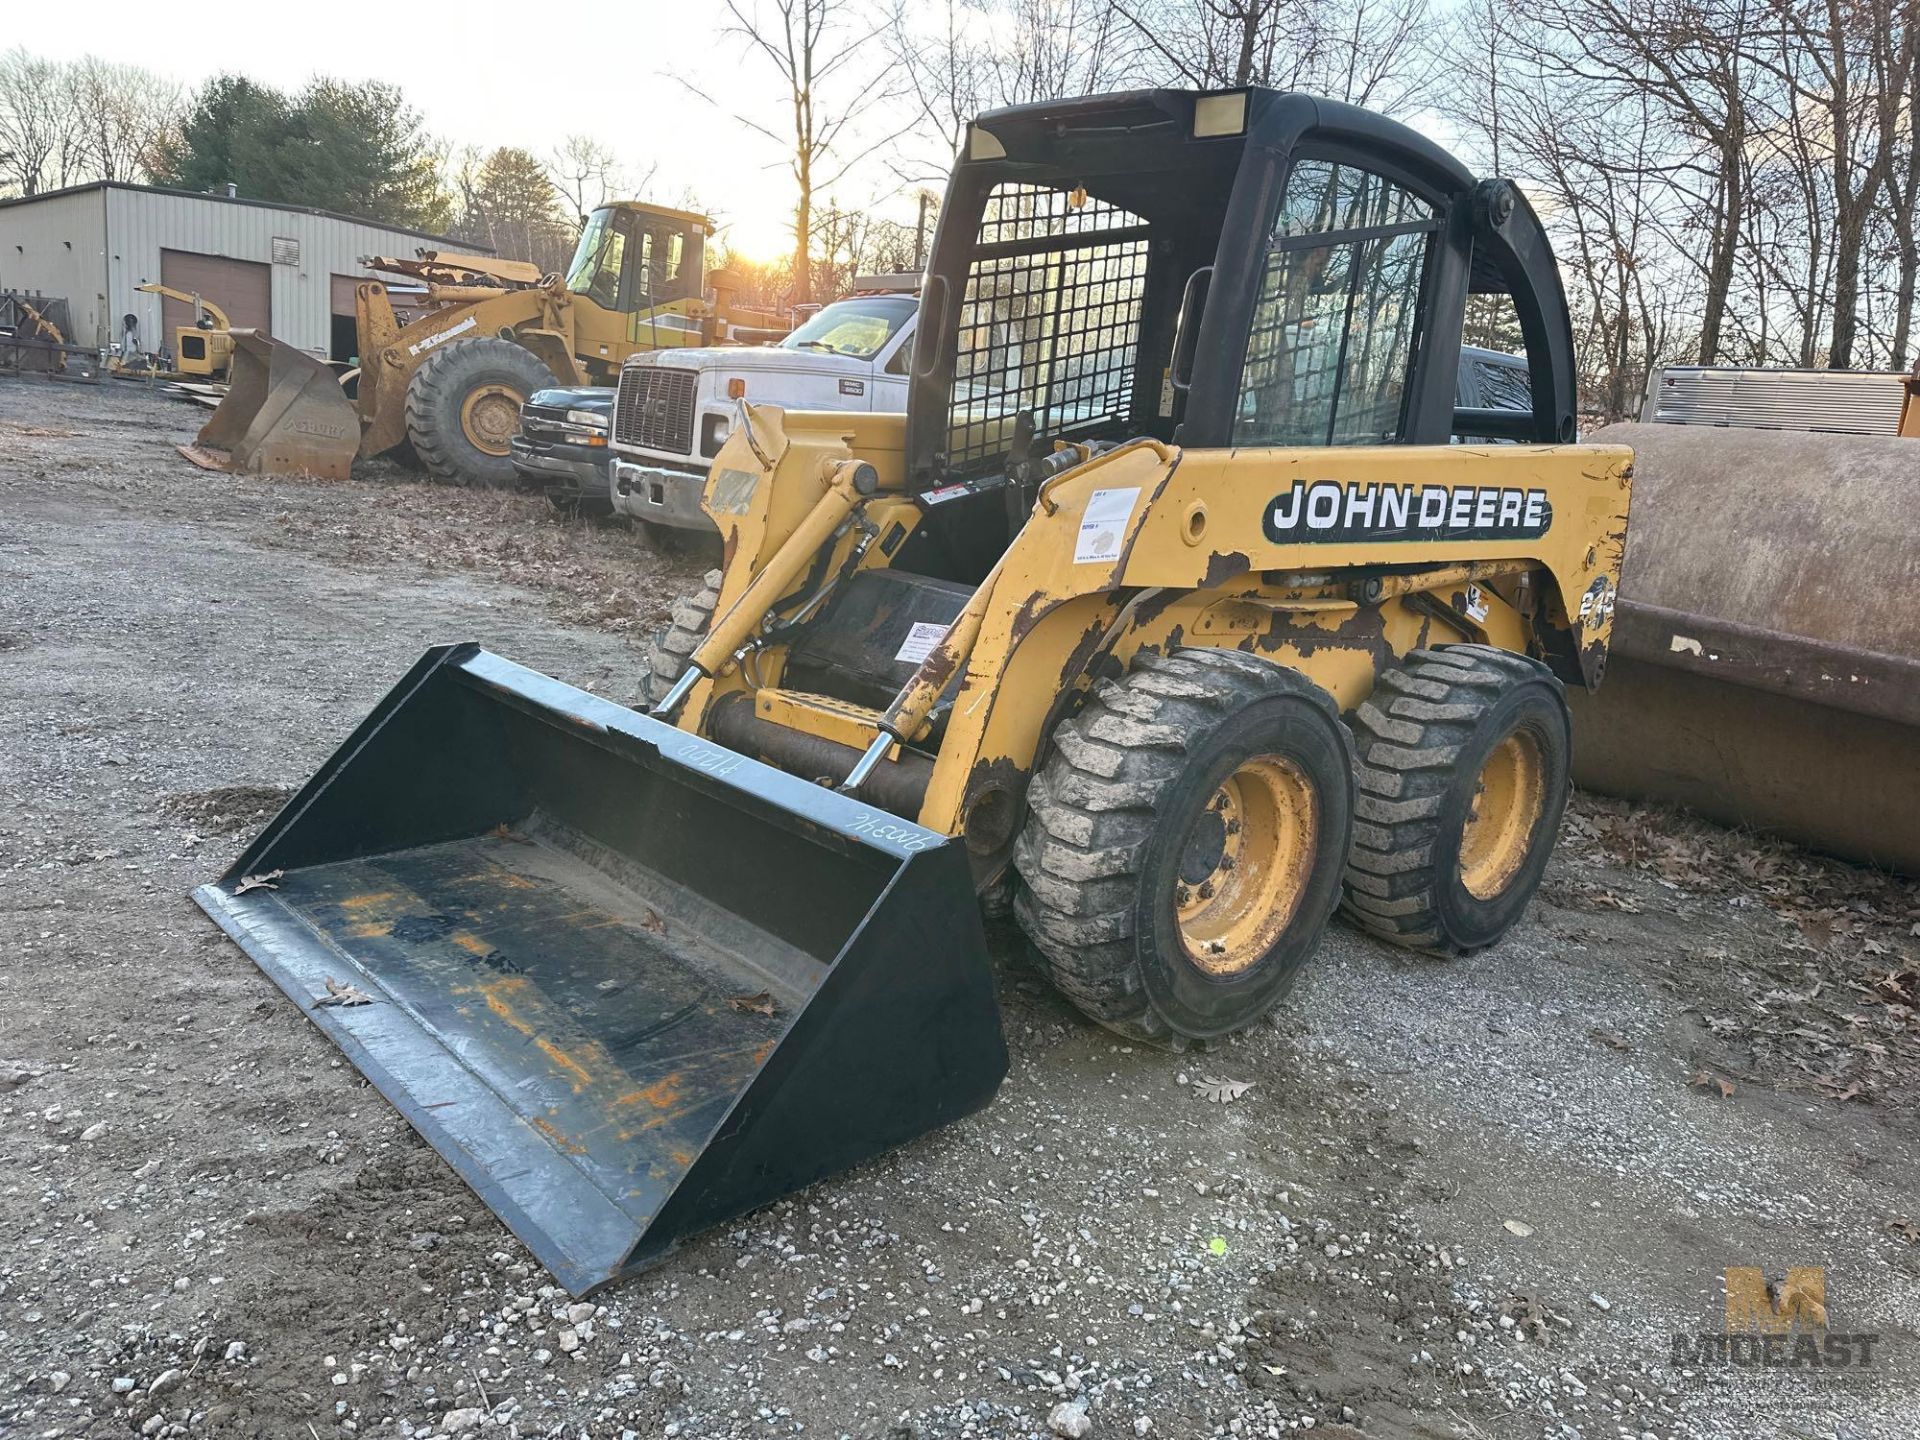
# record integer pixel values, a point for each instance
(1852, 402)
(56, 245)
(140, 223)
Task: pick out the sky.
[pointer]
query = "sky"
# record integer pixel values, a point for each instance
(618, 72)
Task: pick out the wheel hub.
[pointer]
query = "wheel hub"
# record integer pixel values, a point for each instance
(1246, 859)
(490, 417)
(1509, 797)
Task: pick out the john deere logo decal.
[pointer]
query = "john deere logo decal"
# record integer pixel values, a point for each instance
(1336, 511)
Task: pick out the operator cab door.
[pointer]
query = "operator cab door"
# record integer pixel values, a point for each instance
(663, 259)
(1319, 331)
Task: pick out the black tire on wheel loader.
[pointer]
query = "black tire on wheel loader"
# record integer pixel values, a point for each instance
(1464, 757)
(463, 408)
(1184, 845)
(665, 660)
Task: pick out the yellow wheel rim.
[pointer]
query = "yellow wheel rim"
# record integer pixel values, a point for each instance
(490, 417)
(1245, 864)
(1509, 797)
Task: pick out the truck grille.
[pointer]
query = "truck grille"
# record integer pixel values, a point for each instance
(654, 408)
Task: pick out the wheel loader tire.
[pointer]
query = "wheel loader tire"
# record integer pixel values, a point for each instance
(669, 650)
(1463, 768)
(1184, 843)
(463, 408)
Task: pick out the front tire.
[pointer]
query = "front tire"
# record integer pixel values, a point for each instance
(669, 650)
(1464, 763)
(463, 409)
(1184, 844)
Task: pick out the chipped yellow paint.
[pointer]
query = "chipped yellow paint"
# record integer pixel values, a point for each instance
(498, 994)
(371, 900)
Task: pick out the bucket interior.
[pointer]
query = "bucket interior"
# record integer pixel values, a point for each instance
(583, 945)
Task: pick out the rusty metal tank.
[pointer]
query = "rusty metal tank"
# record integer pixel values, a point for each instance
(1765, 669)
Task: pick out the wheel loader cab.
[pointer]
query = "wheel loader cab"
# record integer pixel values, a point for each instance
(637, 257)
(1220, 270)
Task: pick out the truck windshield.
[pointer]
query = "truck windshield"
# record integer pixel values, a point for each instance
(860, 328)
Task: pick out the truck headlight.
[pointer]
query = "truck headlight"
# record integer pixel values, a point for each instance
(587, 418)
(713, 434)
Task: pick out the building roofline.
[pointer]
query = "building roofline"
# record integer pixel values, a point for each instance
(470, 246)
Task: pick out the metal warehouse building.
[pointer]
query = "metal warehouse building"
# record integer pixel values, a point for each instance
(275, 267)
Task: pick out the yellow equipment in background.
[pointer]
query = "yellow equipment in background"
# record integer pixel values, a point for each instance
(204, 347)
(449, 381)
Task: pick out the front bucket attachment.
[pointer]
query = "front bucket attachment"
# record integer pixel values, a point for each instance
(284, 414)
(627, 982)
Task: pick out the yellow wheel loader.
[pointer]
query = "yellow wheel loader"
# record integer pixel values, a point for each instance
(1171, 604)
(449, 381)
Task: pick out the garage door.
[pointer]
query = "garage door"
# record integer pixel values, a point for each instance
(242, 288)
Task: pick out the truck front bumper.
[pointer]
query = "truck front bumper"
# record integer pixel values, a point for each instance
(660, 494)
(571, 475)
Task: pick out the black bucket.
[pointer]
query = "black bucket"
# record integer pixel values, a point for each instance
(629, 983)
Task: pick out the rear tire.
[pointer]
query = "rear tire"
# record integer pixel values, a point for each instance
(1463, 768)
(1183, 850)
(669, 650)
(463, 409)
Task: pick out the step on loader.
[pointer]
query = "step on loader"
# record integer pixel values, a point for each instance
(1174, 607)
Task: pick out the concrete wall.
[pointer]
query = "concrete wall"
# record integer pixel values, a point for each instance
(57, 246)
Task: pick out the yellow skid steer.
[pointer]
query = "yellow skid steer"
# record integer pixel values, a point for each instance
(1173, 606)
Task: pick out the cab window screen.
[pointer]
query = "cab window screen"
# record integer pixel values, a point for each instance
(1337, 318)
(1049, 321)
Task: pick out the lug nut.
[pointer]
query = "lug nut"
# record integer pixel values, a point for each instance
(1206, 889)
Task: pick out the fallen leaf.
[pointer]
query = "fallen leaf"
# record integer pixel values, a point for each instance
(761, 1004)
(341, 993)
(258, 882)
(1518, 1227)
(1221, 1092)
(1903, 1229)
(1701, 1080)
(652, 921)
(502, 832)
(1611, 1040)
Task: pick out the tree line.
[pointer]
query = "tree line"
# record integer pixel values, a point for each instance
(1725, 181)
(357, 148)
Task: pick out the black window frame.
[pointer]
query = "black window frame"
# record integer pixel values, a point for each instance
(1220, 365)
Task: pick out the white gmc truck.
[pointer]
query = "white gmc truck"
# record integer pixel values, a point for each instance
(674, 407)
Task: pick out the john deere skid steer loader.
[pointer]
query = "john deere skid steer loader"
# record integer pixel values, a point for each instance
(1169, 605)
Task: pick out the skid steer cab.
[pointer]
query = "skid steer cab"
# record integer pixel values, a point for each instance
(1184, 604)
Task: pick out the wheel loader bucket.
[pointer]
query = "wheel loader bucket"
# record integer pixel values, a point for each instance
(628, 983)
(284, 414)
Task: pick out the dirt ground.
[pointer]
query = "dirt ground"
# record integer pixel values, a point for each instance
(1474, 1199)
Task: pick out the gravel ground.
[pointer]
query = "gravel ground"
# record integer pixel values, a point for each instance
(1472, 1199)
